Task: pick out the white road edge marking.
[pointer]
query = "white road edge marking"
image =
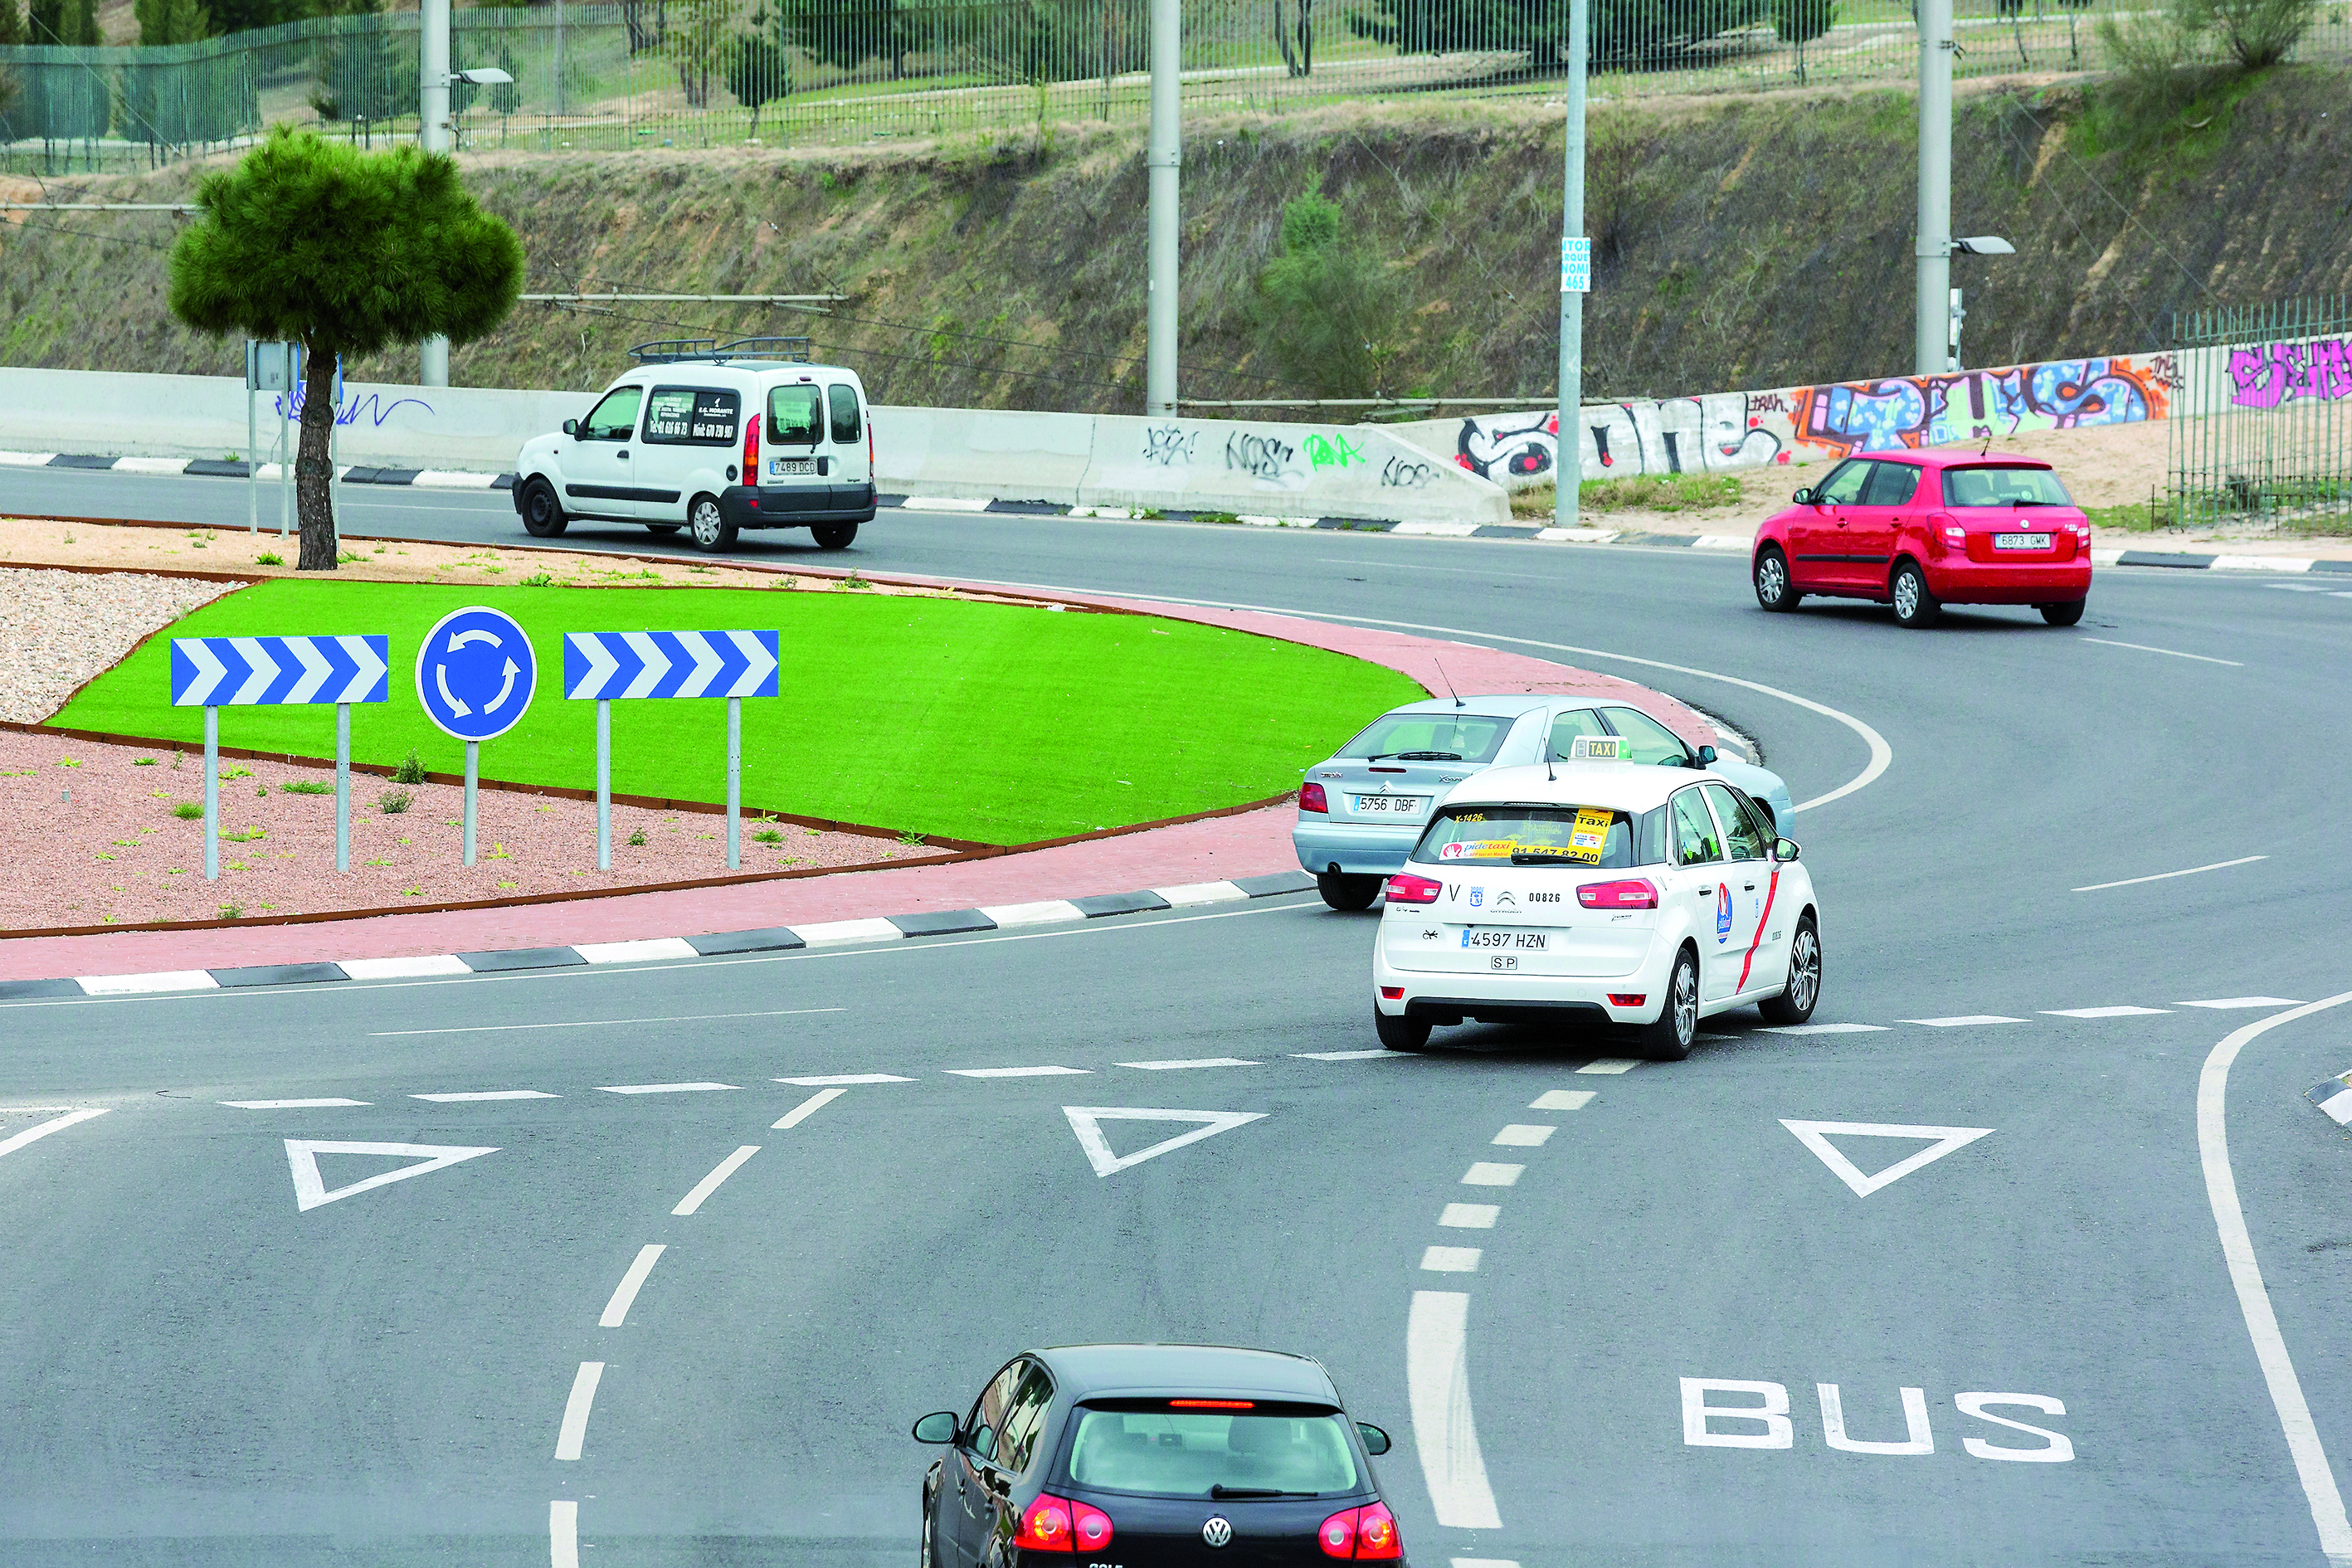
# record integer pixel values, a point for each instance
(616, 1314)
(574, 1430)
(2254, 1298)
(599, 1023)
(56, 1125)
(2168, 876)
(808, 1107)
(724, 1169)
(2168, 652)
(1437, 1381)
(563, 1534)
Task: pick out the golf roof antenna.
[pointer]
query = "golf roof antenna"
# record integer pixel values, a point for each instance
(1449, 683)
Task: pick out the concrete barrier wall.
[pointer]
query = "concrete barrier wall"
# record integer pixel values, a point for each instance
(1070, 459)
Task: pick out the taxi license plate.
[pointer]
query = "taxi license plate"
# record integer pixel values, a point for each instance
(1394, 805)
(2020, 542)
(1517, 940)
(784, 468)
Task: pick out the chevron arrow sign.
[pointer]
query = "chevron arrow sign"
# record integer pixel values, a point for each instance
(249, 672)
(609, 665)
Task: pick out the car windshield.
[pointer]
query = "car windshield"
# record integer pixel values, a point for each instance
(1532, 836)
(2003, 487)
(1431, 737)
(1201, 1454)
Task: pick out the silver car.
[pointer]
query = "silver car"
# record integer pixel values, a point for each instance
(1361, 813)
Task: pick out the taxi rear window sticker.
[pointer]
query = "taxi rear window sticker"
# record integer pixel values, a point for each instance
(692, 416)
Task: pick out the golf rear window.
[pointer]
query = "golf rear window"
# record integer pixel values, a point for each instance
(1531, 835)
(1432, 737)
(1993, 486)
(1184, 1453)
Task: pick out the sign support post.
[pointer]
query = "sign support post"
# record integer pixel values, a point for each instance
(252, 464)
(734, 782)
(476, 675)
(473, 761)
(604, 784)
(343, 786)
(212, 793)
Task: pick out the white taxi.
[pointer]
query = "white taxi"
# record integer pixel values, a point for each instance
(1596, 891)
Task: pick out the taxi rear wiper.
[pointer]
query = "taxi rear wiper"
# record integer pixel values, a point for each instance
(1223, 1490)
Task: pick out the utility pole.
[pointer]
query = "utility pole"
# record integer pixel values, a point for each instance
(1575, 277)
(1932, 312)
(433, 136)
(1164, 160)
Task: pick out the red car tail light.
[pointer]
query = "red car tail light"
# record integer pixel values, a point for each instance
(1310, 798)
(1045, 1525)
(1628, 998)
(1404, 887)
(1391, 993)
(1361, 1535)
(1632, 894)
(1093, 1527)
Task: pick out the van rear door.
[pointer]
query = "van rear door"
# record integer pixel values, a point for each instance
(851, 472)
(789, 454)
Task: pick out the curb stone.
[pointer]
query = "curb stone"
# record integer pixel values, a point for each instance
(2334, 1098)
(774, 938)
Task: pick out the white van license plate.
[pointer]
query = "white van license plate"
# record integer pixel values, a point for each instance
(2020, 542)
(1518, 940)
(788, 468)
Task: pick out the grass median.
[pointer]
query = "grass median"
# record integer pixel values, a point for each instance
(1000, 723)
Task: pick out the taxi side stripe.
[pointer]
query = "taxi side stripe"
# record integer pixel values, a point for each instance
(1770, 890)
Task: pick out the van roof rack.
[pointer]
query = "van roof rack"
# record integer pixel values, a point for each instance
(672, 350)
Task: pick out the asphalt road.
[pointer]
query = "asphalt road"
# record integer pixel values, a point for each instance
(199, 1370)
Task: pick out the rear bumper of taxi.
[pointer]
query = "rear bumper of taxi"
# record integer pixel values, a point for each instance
(772, 506)
(1451, 996)
(1958, 581)
(1364, 849)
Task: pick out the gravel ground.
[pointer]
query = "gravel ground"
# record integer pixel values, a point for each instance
(58, 629)
(93, 841)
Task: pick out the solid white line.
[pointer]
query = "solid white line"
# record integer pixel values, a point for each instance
(1449, 1259)
(1437, 1381)
(2170, 653)
(2245, 1001)
(710, 1184)
(600, 1023)
(1561, 1100)
(1610, 1065)
(2105, 1011)
(650, 948)
(1524, 1135)
(1195, 1062)
(1963, 1022)
(1484, 1174)
(2168, 876)
(289, 1104)
(574, 1430)
(2254, 1298)
(663, 1087)
(147, 984)
(1343, 1055)
(45, 1128)
(616, 1312)
(1016, 1072)
(469, 1096)
(402, 968)
(563, 1534)
(810, 1106)
(844, 1078)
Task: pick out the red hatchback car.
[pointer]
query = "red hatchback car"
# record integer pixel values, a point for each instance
(1923, 530)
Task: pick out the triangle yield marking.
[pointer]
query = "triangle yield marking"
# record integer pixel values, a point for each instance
(1087, 1120)
(1813, 1135)
(311, 1191)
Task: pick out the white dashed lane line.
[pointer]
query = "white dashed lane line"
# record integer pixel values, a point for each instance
(1018, 1072)
(1469, 1216)
(573, 1432)
(1194, 1062)
(1485, 1174)
(1450, 1260)
(845, 1079)
(600, 1023)
(664, 1088)
(624, 1294)
(1966, 1021)
(1561, 1100)
(2105, 1011)
(469, 1097)
(1610, 1065)
(808, 1108)
(726, 1168)
(56, 1124)
(1524, 1135)
(289, 1104)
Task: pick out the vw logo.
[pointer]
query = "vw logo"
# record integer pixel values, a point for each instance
(1218, 1531)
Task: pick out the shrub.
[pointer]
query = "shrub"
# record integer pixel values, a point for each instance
(142, 762)
(638, 837)
(393, 802)
(232, 912)
(1328, 310)
(767, 836)
(270, 558)
(411, 770)
(306, 787)
(187, 810)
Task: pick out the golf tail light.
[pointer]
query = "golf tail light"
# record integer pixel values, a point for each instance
(1376, 1534)
(1092, 1528)
(1045, 1525)
(751, 448)
(1404, 887)
(1310, 798)
(1337, 1533)
(1631, 893)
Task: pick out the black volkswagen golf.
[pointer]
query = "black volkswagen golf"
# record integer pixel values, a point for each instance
(1146, 1456)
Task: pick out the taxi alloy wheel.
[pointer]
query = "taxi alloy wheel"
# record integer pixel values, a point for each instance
(1400, 1033)
(1795, 1005)
(1914, 604)
(1348, 893)
(1671, 1037)
(711, 532)
(1772, 590)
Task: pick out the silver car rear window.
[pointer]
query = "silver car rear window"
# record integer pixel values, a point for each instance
(1431, 737)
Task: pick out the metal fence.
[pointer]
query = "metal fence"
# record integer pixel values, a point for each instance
(714, 72)
(2261, 429)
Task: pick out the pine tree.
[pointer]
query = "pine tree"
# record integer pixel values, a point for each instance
(80, 25)
(12, 25)
(47, 19)
(169, 21)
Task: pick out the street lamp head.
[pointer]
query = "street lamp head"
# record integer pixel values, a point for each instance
(1983, 244)
(481, 76)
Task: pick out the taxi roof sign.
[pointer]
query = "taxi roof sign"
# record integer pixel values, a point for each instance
(1596, 749)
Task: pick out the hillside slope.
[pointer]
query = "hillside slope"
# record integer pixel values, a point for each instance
(1753, 241)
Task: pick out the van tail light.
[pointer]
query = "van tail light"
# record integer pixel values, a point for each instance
(1404, 887)
(751, 448)
(1045, 1525)
(869, 447)
(1632, 894)
(1310, 798)
(1092, 1527)
(1361, 1535)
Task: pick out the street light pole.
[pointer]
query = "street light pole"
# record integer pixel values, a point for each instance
(1932, 312)
(1567, 445)
(433, 136)
(1164, 160)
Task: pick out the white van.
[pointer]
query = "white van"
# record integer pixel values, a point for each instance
(668, 446)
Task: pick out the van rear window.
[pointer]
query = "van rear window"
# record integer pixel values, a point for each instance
(691, 416)
(795, 418)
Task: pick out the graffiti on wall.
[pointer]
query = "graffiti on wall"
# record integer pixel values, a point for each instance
(354, 408)
(1268, 459)
(1937, 410)
(1169, 445)
(1619, 440)
(2270, 375)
